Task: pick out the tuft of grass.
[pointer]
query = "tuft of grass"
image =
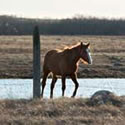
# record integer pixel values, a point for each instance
(61, 111)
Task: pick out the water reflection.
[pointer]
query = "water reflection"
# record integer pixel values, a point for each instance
(22, 88)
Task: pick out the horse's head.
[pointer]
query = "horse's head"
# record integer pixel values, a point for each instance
(85, 53)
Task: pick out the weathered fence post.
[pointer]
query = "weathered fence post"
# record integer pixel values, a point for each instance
(36, 63)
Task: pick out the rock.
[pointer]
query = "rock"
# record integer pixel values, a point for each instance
(104, 97)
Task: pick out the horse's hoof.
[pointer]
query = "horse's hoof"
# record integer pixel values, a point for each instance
(41, 96)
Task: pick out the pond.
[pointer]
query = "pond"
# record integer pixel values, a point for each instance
(23, 88)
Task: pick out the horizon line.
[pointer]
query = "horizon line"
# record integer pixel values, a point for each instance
(69, 17)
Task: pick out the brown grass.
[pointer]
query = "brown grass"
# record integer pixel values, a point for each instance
(108, 54)
(63, 111)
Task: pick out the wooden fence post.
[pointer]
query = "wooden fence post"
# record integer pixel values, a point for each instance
(36, 63)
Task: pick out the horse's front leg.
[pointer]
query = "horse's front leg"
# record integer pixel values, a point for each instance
(63, 85)
(73, 77)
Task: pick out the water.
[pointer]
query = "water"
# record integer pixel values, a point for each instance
(23, 88)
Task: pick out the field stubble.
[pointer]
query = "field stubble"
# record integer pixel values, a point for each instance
(108, 53)
(63, 111)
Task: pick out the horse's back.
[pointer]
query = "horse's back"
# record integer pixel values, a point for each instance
(51, 60)
(59, 62)
(51, 55)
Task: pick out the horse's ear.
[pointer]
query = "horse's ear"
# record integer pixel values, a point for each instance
(88, 45)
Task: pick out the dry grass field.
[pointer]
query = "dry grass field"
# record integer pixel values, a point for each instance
(63, 111)
(108, 53)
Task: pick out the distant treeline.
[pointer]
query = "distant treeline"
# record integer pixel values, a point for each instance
(10, 25)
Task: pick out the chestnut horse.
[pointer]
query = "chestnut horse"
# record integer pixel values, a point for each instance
(65, 63)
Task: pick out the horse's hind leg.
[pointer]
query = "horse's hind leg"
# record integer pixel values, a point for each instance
(54, 79)
(44, 81)
(73, 77)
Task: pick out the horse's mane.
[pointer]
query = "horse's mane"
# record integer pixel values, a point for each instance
(66, 48)
(70, 47)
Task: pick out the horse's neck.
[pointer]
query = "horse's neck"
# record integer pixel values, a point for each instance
(74, 55)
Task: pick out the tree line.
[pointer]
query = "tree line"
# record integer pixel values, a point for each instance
(11, 25)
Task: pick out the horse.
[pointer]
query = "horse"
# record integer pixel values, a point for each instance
(65, 63)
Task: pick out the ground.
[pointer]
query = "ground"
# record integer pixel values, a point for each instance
(108, 53)
(62, 111)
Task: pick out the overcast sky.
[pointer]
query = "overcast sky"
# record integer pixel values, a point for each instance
(63, 8)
